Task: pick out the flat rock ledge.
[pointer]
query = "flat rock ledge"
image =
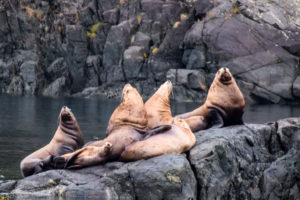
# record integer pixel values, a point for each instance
(251, 161)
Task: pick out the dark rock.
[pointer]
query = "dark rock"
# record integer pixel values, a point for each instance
(111, 16)
(168, 177)
(76, 55)
(264, 95)
(16, 86)
(281, 179)
(202, 7)
(228, 162)
(189, 78)
(56, 88)
(28, 74)
(57, 68)
(133, 62)
(296, 87)
(117, 41)
(143, 40)
(94, 70)
(288, 131)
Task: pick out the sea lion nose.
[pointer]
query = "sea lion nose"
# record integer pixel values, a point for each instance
(224, 68)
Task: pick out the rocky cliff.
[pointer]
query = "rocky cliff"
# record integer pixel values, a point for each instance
(239, 162)
(91, 48)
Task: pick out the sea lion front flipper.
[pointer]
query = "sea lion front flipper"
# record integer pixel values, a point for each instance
(157, 130)
(196, 123)
(215, 119)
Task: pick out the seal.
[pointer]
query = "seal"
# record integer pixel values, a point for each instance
(127, 124)
(158, 106)
(171, 135)
(178, 139)
(67, 138)
(224, 104)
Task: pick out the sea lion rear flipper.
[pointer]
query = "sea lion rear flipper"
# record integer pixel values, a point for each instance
(157, 130)
(215, 119)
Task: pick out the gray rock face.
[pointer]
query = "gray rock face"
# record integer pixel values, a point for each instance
(258, 41)
(56, 88)
(28, 74)
(249, 161)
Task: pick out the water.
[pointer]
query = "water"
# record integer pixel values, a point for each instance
(28, 123)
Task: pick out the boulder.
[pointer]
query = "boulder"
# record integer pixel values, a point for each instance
(296, 87)
(56, 88)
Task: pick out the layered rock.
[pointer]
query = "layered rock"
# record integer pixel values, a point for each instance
(249, 161)
(106, 43)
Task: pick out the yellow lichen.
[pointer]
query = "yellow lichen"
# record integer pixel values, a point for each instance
(95, 27)
(235, 9)
(212, 15)
(139, 19)
(183, 16)
(176, 24)
(145, 55)
(154, 50)
(173, 178)
(59, 29)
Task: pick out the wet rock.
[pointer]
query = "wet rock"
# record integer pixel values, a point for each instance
(28, 74)
(56, 88)
(16, 86)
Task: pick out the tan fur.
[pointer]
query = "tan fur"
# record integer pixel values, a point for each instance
(223, 95)
(158, 106)
(176, 140)
(125, 126)
(61, 143)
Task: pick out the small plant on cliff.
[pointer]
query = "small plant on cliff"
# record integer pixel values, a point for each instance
(33, 13)
(235, 8)
(91, 34)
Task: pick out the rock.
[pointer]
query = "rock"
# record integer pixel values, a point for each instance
(296, 87)
(28, 74)
(57, 69)
(111, 16)
(168, 177)
(56, 88)
(93, 71)
(229, 162)
(16, 86)
(143, 40)
(76, 55)
(281, 179)
(264, 95)
(133, 62)
(189, 78)
(288, 132)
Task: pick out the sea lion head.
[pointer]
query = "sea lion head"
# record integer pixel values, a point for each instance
(66, 115)
(165, 88)
(224, 76)
(130, 112)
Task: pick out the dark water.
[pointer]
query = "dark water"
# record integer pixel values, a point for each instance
(28, 123)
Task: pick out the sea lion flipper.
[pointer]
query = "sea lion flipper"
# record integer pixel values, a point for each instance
(157, 130)
(215, 119)
(196, 123)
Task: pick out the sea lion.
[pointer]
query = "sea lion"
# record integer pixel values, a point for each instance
(158, 107)
(127, 124)
(224, 104)
(174, 138)
(67, 138)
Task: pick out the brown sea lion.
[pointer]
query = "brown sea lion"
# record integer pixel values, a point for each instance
(66, 139)
(127, 124)
(176, 138)
(158, 107)
(224, 104)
